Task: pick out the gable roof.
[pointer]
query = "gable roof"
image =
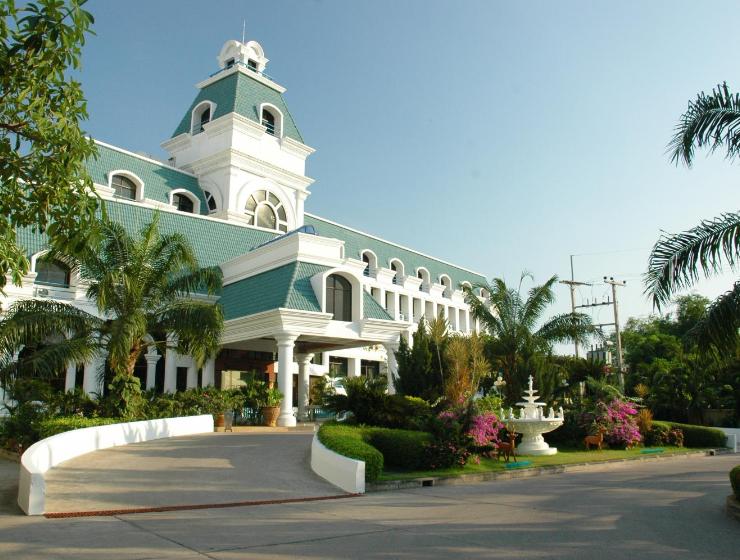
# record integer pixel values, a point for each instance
(159, 179)
(355, 242)
(241, 94)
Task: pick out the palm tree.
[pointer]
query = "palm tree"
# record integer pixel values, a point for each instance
(512, 322)
(677, 261)
(146, 289)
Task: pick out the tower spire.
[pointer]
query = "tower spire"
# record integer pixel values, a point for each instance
(244, 30)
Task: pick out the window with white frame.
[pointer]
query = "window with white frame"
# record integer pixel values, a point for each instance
(210, 201)
(183, 203)
(269, 122)
(265, 210)
(123, 187)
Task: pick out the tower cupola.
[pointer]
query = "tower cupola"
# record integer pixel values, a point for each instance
(249, 55)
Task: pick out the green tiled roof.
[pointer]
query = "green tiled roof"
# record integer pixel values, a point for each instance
(288, 286)
(356, 242)
(159, 179)
(373, 309)
(241, 94)
(214, 242)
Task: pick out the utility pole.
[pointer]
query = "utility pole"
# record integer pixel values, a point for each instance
(620, 367)
(572, 285)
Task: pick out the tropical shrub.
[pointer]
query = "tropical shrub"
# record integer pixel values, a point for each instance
(618, 419)
(490, 403)
(735, 481)
(350, 442)
(451, 445)
(662, 434)
(697, 436)
(53, 426)
(401, 449)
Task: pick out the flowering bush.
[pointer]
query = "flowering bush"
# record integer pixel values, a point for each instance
(618, 419)
(484, 430)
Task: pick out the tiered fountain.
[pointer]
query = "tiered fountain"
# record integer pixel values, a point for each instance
(532, 423)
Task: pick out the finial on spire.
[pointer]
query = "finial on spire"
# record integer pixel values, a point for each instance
(244, 30)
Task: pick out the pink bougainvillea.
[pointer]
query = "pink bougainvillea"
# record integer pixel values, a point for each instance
(484, 429)
(619, 418)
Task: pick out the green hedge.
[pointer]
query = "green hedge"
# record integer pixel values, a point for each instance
(378, 447)
(401, 449)
(350, 442)
(697, 436)
(735, 481)
(53, 426)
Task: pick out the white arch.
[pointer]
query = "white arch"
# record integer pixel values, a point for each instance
(129, 175)
(196, 113)
(194, 199)
(465, 284)
(446, 281)
(318, 283)
(251, 187)
(277, 113)
(400, 268)
(73, 273)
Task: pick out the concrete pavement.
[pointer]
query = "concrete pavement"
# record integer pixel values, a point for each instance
(665, 509)
(202, 469)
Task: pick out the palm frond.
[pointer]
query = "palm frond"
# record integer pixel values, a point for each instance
(539, 298)
(567, 327)
(676, 260)
(481, 309)
(720, 325)
(710, 121)
(197, 325)
(209, 279)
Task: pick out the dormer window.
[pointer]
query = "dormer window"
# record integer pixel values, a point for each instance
(52, 273)
(202, 115)
(366, 260)
(205, 117)
(210, 200)
(252, 65)
(183, 203)
(230, 63)
(123, 187)
(268, 121)
(264, 209)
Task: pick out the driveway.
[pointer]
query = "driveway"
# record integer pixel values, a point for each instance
(667, 509)
(212, 468)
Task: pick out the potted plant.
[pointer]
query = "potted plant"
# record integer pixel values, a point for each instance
(269, 402)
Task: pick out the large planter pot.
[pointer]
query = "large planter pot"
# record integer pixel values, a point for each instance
(270, 414)
(220, 422)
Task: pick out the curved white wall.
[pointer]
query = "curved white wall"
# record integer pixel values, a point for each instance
(49, 452)
(348, 474)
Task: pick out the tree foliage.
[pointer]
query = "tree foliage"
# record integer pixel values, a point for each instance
(520, 339)
(43, 181)
(148, 291)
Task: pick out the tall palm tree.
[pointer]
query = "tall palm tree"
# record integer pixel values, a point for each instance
(147, 289)
(677, 261)
(515, 325)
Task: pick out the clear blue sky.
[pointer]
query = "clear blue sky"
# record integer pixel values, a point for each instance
(501, 136)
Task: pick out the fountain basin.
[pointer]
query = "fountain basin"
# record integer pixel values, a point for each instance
(532, 441)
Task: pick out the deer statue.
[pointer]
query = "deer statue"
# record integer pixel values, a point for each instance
(507, 449)
(596, 440)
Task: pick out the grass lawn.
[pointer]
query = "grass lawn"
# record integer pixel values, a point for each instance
(563, 457)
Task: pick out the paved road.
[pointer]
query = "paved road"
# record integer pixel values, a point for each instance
(203, 469)
(668, 509)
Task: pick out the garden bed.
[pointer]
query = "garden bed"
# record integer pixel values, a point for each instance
(490, 469)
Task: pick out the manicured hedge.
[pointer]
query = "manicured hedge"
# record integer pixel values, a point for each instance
(401, 449)
(53, 426)
(378, 447)
(350, 442)
(697, 436)
(735, 481)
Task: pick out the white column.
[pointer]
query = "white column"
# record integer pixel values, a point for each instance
(170, 369)
(209, 372)
(93, 370)
(152, 357)
(192, 380)
(353, 367)
(390, 349)
(304, 384)
(69, 379)
(285, 344)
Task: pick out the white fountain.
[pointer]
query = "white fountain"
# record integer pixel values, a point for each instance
(532, 423)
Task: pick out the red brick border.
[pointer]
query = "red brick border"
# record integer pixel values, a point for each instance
(57, 515)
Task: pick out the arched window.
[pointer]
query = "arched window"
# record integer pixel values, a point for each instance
(423, 275)
(397, 267)
(201, 115)
(366, 260)
(447, 283)
(265, 210)
(183, 203)
(52, 273)
(268, 121)
(123, 187)
(339, 297)
(210, 200)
